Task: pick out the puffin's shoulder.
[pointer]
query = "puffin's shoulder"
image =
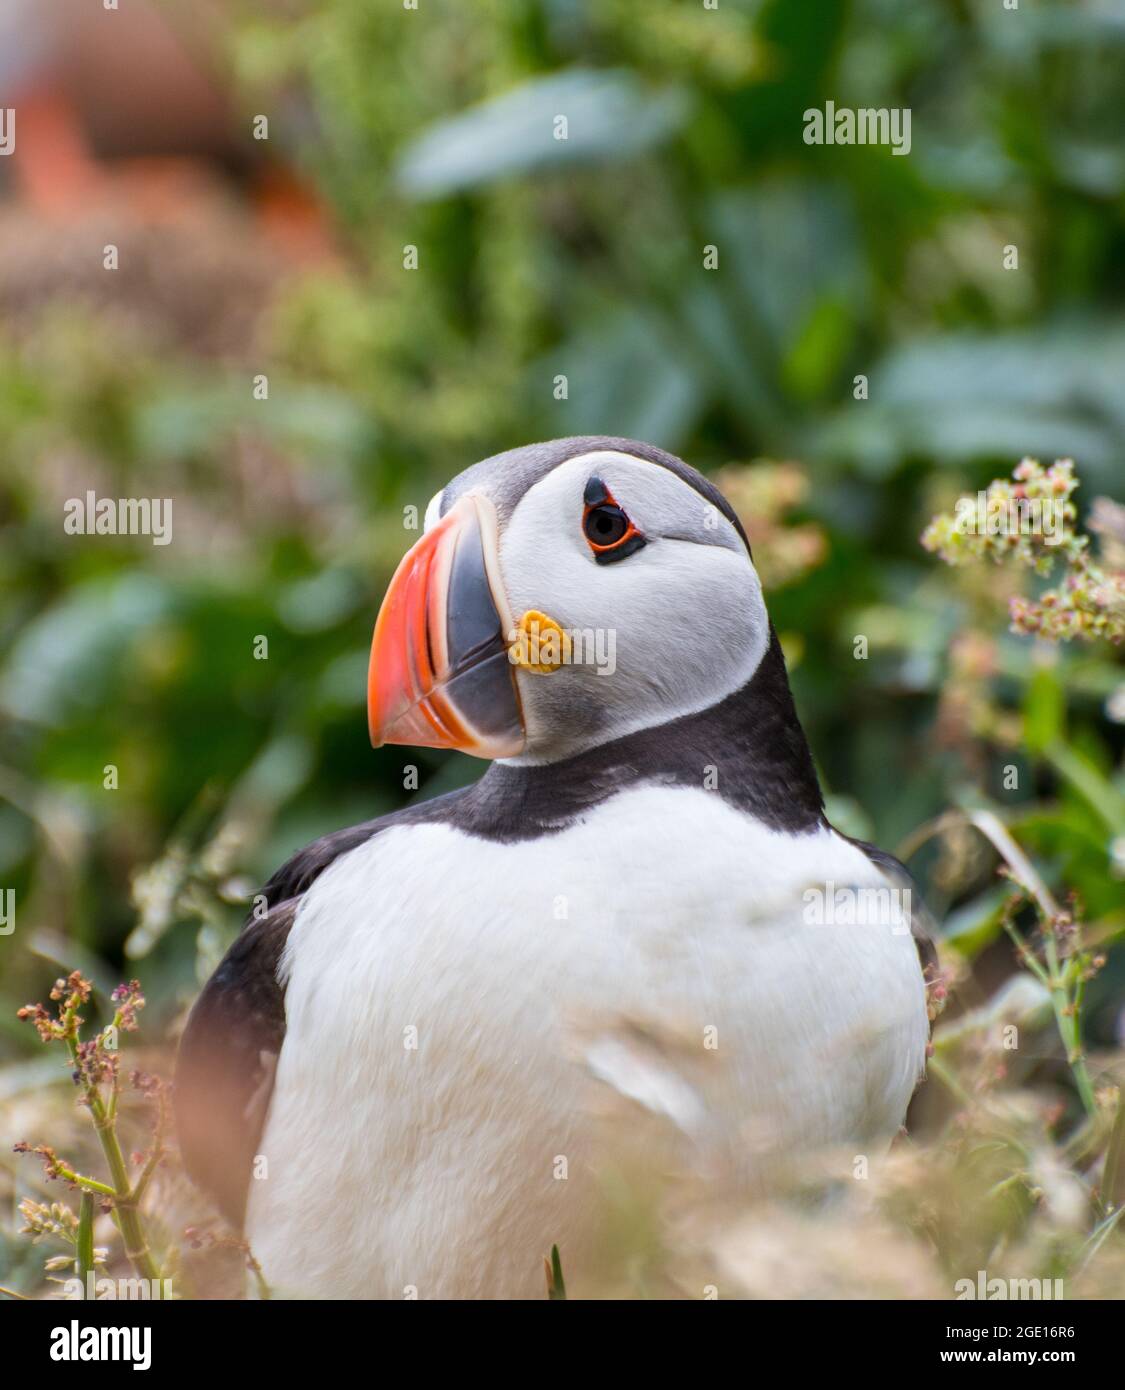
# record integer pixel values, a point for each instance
(922, 925)
(297, 875)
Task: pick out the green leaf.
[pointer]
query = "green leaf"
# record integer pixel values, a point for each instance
(556, 1287)
(72, 656)
(1043, 710)
(627, 377)
(610, 115)
(812, 362)
(1052, 393)
(975, 924)
(1087, 780)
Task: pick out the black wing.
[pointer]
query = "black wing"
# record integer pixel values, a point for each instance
(228, 1053)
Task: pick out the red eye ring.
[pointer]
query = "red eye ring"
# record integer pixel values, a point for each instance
(609, 532)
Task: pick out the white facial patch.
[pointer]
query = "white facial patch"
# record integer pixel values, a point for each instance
(684, 615)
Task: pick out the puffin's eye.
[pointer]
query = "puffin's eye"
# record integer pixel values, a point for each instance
(608, 531)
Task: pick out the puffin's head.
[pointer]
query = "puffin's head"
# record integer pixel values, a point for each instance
(563, 595)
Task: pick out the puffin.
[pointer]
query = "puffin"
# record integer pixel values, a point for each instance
(396, 1082)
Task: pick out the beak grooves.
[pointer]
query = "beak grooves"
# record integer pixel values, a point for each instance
(439, 675)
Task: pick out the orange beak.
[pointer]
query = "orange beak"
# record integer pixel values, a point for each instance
(440, 676)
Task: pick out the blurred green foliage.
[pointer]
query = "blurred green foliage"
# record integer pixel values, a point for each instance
(537, 258)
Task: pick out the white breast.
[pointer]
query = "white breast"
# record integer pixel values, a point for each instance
(458, 1010)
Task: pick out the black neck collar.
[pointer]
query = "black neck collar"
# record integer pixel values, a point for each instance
(749, 748)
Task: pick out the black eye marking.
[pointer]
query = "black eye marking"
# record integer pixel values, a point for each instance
(596, 492)
(608, 531)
